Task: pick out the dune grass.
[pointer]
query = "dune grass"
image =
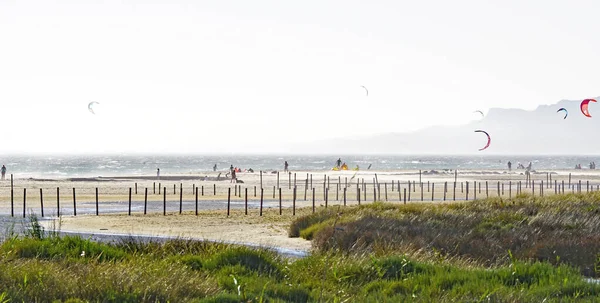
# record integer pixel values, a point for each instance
(561, 229)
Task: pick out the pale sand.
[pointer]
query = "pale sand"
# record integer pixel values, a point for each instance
(212, 222)
(270, 230)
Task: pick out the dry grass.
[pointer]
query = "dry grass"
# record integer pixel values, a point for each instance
(557, 229)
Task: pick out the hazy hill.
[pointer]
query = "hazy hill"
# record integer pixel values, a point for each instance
(513, 131)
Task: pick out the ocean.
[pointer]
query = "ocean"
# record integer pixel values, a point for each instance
(126, 165)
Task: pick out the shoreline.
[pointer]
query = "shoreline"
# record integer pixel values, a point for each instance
(221, 176)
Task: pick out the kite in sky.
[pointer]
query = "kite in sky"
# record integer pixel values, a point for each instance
(91, 106)
(365, 90)
(488, 137)
(565, 110)
(584, 107)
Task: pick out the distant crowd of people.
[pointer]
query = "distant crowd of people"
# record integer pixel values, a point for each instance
(520, 166)
(592, 165)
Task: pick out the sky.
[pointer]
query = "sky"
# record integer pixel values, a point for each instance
(257, 76)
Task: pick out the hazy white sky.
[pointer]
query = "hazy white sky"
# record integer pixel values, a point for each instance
(248, 76)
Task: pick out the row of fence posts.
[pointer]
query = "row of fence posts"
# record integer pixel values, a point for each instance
(558, 188)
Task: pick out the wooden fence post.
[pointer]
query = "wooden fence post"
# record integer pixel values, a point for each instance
(74, 203)
(498, 189)
(326, 196)
(12, 205)
(345, 196)
(487, 193)
(97, 207)
(454, 192)
(261, 201)
(42, 201)
(445, 189)
(24, 201)
(280, 210)
(294, 203)
(180, 199)
(145, 199)
(385, 189)
(164, 200)
(246, 201)
(305, 187)
(374, 192)
(196, 194)
(405, 195)
(432, 190)
(228, 200)
(57, 201)
(129, 209)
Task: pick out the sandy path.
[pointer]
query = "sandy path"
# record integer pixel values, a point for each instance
(269, 230)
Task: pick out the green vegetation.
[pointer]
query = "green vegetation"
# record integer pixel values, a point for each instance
(465, 252)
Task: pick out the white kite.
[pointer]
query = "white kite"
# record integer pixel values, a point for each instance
(91, 105)
(366, 90)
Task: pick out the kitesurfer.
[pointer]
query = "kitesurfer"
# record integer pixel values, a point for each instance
(158, 174)
(285, 166)
(3, 172)
(339, 162)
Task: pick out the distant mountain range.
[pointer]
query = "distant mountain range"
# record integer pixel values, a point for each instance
(542, 131)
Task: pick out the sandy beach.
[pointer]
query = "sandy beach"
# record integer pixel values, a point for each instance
(163, 209)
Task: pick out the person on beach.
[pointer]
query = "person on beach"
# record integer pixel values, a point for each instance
(3, 172)
(231, 168)
(233, 177)
(509, 166)
(285, 166)
(215, 167)
(158, 173)
(339, 162)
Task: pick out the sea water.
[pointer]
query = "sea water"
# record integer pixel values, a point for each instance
(125, 165)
